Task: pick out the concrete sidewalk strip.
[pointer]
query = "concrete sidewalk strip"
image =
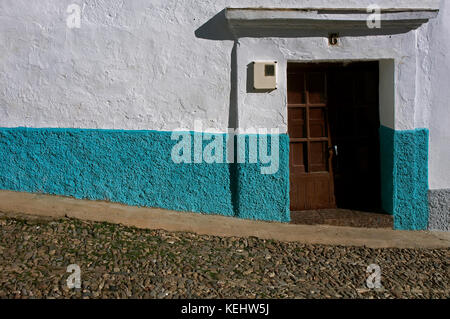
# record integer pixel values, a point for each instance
(17, 203)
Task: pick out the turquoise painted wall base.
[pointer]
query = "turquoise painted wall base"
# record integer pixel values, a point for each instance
(404, 177)
(135, 168)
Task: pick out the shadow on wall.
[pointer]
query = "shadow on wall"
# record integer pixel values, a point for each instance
(233, 123)
(217, 29)
(293, 32)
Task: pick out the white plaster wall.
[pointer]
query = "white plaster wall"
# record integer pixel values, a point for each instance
(439, 97)
(400, 48)
(137, 64)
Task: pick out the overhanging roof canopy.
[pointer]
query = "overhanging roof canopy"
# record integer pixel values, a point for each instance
(251, 21)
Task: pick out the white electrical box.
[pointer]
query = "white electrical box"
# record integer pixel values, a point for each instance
(265, 75)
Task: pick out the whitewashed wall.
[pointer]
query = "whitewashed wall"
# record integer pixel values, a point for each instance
(439, 99)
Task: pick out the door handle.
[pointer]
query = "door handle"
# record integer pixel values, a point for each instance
(333, 149)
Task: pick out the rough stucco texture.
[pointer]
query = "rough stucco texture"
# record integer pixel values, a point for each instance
(135, 168)
(439, 209)
(404, 177)
(439, 99)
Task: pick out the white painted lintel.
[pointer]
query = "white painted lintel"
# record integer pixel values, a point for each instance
(325, 18)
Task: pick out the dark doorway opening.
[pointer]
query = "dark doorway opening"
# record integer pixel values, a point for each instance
(333, 124)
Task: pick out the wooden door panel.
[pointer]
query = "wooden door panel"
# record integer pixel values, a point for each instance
(317, 122)
(311, 192)
(316, 87)
(296, 88)
(296, 122)
(319, 156)
(320, 191)
(311, 180)
(298, 159)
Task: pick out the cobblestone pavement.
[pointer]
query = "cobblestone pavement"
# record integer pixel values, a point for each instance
(123, 262)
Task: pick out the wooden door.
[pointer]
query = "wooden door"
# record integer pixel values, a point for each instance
(333, 125)
(311, 175)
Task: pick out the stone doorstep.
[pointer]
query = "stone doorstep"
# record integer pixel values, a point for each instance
(343, 217)
(17, 204)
